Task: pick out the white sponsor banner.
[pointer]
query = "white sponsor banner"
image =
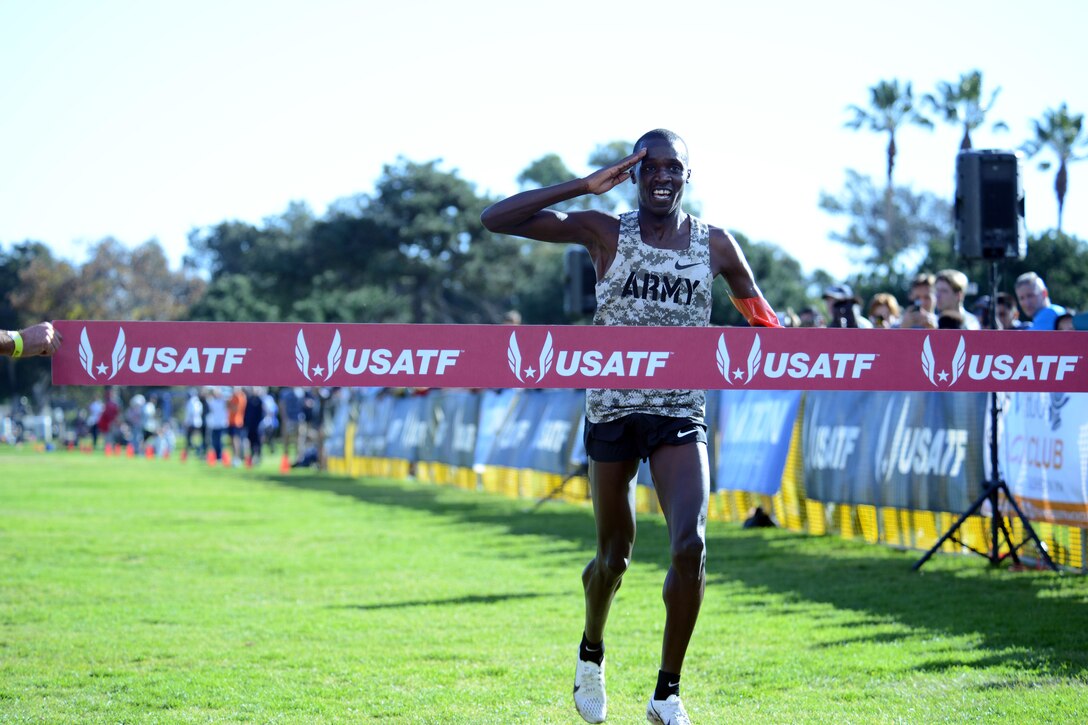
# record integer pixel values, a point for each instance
(1044, 455)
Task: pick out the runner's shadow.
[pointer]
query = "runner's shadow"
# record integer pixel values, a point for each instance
(449, 601)
(1032, 616)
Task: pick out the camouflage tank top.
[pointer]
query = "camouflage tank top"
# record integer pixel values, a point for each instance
(653, 287)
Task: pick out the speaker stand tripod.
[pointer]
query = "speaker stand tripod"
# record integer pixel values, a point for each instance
(993, 490)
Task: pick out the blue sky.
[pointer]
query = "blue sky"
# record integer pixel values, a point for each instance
(147, 119)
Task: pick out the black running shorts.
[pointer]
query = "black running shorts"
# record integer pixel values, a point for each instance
(638, 435)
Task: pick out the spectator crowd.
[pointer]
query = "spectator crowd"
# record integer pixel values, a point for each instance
(939, 302)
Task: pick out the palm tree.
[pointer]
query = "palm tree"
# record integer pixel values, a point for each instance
(962, 104)
(1060, 131)
(891, 107)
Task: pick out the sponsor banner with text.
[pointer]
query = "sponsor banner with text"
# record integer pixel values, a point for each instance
(1044, 456)
(531, 356)
(755, 427)
(918, 451)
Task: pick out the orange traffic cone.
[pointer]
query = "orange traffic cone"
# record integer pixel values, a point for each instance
(149, 452)
(285, 464)
(249, 461)
(226, 457)
(130, 451)
(184, 455)
(211, 457)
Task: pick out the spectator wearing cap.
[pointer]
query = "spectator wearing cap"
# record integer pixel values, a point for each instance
(1035, 302)
(809, 317)
(1065, 322)
(884, 311)
(844, 307)
(950, 287)
(1007, 314)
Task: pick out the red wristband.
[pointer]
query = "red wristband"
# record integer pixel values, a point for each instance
(756, 311)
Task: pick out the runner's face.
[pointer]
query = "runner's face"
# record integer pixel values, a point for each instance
(661, 175)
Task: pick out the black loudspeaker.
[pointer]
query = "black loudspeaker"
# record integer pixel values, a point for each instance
(581, 297)
(990, 205)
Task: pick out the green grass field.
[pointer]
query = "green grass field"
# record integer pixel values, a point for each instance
(142, 591)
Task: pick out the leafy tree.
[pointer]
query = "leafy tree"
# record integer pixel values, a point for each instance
(887, 227)
(889, 108)
(449, 268)
(118, 283)
(231, 297)
(962, 104)
(1061, 132)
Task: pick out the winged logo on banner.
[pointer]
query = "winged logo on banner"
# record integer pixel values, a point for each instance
(958, 361)
(335, 353)
(754, 358)
(546, 356)
(513, 356)
(302, 355)
(86, 354)
(119, 352)
(928, 363)
(723, 359)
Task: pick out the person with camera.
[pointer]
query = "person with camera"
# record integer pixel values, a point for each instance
(844, 307)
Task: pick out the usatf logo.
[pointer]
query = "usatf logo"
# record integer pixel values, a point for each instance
(332, 360)
(86, 355)
(797, 365)
(373, 361)
(587, 363)
(544, 362)
(996, 367)
(754, 357)
(160, 359)
(917, 450)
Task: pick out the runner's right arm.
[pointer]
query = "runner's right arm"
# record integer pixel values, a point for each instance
(527, 214)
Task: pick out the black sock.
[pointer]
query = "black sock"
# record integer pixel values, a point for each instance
(591, 651)
(668, 683)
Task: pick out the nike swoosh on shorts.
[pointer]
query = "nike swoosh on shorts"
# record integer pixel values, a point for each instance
(686, 433)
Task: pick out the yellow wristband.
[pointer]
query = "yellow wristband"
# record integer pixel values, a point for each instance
(18, 340)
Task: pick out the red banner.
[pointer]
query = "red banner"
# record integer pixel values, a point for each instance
(531, 356)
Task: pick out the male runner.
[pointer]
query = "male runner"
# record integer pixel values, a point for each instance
(655, 266)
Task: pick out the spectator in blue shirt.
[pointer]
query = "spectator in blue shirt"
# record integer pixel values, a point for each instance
(1035, 302)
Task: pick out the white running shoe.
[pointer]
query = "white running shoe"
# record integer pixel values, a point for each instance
(669, 711)
(589, 695)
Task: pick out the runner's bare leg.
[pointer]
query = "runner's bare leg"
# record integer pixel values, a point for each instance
(682, 478)
(612, 486)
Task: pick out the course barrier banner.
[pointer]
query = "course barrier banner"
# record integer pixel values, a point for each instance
(1044, 456)
(408, 428)
(919, 451)
(576, 356)
(375, 412)
(495, 406)
(550, 446)
(755, 427)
